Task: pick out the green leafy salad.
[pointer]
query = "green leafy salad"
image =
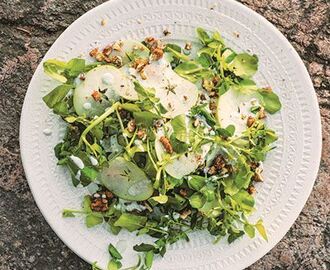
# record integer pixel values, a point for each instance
(167, 139)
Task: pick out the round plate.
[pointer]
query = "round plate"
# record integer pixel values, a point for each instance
(290, 169)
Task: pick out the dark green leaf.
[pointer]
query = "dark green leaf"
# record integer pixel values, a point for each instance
(244, 65)
(234, 236)
(249, 230)
(93, 219)
(57, 95)
(197, 200)
(114, 252)
(130, 222)
(74, 67)
(143, 247)
(203, 36)
(270, 101)
(196, 182)
(149, 257)
(145, 118)
(114, 265)
(179, 128)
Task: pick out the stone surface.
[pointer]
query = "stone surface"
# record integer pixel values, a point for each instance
(29, 27)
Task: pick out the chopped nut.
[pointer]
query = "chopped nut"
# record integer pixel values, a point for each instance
(150, 40)
(183, 192)
(94, 52)
(103, 22)
(117, 46)
(188, 46)
(140, 63)
(143, 75)
(99, 57)
(124, 114)
(213, 106)
(257, 175)
(158, 123)
(141, 134)
(100, 201)
(216, 79)
(208, 85)
(156, 48)
(252, 190)
(131, 126)
(82, 76)
(196, 123)
(166, 32)
(185, 98)
(96, 95)
(185, 213)
(157, 54)
(219, 163)
(116, 60)
(236, 34)
(262, 113)
(250, 121)
(107, 50)
(166, 144)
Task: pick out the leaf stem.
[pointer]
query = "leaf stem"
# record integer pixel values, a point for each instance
(121, 125)
(95, 123)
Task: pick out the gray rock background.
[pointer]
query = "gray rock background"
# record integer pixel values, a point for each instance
(27, 30)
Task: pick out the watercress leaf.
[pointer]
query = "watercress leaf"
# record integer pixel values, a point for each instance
(57, 95)
(176, 53)
(270, 136)
(261, 229)
(179, 128)
(197, 200)
(130, 107)
(245, 86)
(244, 65)
(187, 68)
(160, 199)
(145, 118)
(93, 219)
(130, 222)
(196, 182)
(90, 173)
(143, 247)
(61, 108)
(201, 110)
(244, 200)
(270, 100)
(54, 69)
(174, 47)
(114, 252)
(74, 67)
(87, 204)
(149, 257)
(207, 51)
(223, 88)
(226, 132)
(249, 230)
(67, 213)
(204, 60)
(208, 192)
(203, 36)
(114, 265)
(234, 236)
(95, 267)
(178, 146)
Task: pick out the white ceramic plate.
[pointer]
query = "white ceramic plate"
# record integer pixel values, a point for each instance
(290, 169)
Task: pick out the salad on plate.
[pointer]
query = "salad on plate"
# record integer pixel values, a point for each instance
(167, 139)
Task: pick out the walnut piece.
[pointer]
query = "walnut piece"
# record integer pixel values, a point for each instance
(166, 144)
